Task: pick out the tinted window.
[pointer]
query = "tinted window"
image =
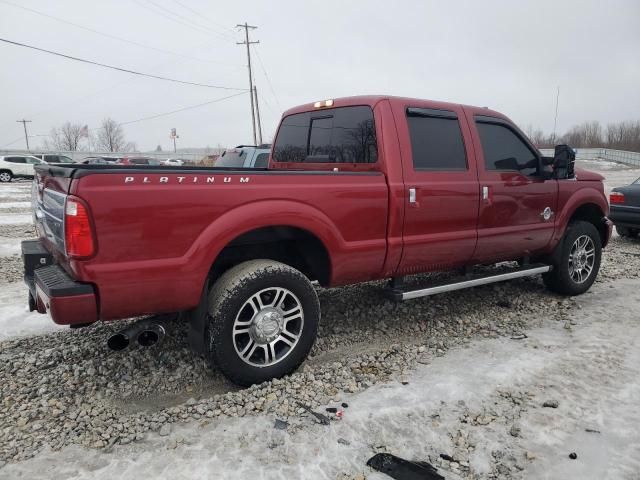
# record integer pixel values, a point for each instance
(338, 135)
(15, 159)
(33, 160)
(504, 150)
(231, 158)
(262, 160)
(436, 140)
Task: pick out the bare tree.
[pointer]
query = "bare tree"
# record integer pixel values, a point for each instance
(110, 137)
(66, 138)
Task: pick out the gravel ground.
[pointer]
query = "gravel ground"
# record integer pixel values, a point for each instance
(67, 388)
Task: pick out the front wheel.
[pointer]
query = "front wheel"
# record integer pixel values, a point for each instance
(5, 177)
(263, 320)
(579, 260)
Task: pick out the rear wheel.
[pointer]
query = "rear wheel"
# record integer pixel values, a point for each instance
(579, 260)
(263, 320)
(5, 176)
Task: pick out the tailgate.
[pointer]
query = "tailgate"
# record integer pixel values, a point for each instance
(48, 196)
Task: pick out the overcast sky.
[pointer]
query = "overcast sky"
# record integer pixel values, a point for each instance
(507, 55)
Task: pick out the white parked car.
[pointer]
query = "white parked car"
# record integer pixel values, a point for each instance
(173, 162)
(17, 166)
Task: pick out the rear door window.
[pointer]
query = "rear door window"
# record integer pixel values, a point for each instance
(15, 159)
(262, 160)
(436, 140)
(505, 151)
(337, 135)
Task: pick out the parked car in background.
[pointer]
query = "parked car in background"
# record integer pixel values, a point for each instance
(625, 209)
(100, 160)
(247, 156)
(139, 161)
(173, 162)
(53, 158)
(17, 166)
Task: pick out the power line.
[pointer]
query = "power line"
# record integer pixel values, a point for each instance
(108, 35)
(177, 18)
(231, 33)
(264, 71)
(12, 142)
(120, 69)
(179, 110)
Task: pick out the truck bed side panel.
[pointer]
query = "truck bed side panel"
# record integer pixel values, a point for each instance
(158, 234)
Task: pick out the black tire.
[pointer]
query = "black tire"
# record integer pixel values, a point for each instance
(561, 279)
(228, 303)
(6, 176)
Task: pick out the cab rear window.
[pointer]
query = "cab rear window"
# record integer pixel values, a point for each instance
(338, 135)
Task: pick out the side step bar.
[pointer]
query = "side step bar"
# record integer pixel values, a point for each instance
(400, 295)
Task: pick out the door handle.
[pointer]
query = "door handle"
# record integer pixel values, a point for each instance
(412, 195)
(487, 194)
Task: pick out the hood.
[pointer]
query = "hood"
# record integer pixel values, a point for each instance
(588, 176)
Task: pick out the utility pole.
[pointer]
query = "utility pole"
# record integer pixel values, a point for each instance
(24, 124)
(555, 120)
(248, 44)
(255, 93)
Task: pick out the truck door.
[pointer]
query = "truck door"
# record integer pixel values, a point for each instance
(441, 185)
(517, 206)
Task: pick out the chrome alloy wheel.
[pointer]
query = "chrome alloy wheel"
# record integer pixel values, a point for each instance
(581, 259)
(5, 177)
(268, 326)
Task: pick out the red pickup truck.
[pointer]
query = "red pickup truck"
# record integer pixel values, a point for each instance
(357, 189)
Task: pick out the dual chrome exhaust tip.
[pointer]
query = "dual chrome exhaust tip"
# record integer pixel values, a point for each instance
(145, 333)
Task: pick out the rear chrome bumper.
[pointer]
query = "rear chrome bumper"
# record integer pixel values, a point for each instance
(53, 291)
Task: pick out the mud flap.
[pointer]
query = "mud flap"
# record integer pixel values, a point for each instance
(197, 319)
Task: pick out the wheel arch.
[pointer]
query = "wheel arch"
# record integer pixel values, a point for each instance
(592, 213)
(288, 244)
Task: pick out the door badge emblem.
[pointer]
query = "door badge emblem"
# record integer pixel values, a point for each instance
(546, 214)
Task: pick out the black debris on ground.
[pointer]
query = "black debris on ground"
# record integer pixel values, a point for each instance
(402, 469)
(551, 404)
(573, 455)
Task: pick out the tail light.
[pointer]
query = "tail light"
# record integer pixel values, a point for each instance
(616, 198)
(78, 234)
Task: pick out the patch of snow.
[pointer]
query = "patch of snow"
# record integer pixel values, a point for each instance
(15, 219)
(7, 205)
(592, 369)
(9, 246)
(15, 318)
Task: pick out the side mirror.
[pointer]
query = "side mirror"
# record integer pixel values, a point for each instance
(564, 159)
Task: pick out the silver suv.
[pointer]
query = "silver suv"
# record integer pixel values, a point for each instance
(245, 156)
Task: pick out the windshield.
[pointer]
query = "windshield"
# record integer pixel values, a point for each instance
(232, 158)
(63, 159)
(637, 181)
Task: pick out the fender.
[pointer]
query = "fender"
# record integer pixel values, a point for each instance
(583, 196)
(266, 213)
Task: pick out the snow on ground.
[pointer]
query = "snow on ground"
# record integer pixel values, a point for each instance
(590, 365)
(16, 219)
(9, 246)
(8, 205)
(15, 318)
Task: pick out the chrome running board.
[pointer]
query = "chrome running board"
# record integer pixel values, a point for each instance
(399, 294)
